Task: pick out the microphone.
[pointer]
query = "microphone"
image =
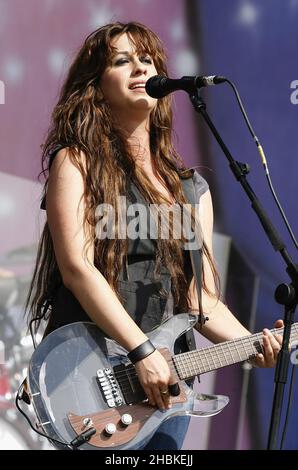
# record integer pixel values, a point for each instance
(160, 86)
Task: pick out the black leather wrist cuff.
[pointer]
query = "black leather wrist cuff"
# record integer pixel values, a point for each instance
(141, 351)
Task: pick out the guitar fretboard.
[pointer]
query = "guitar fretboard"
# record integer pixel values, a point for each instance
(224, 354)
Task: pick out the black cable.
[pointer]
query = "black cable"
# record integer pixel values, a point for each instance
(38, 319)
(280, 208)
(288, 407)
(18, 398)
(250, 128)
(32, 334)
(264, 161)
(73, 445)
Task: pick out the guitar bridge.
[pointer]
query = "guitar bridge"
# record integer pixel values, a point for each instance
(109, 387)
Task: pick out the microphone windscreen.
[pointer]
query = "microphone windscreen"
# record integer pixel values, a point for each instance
(155, 86)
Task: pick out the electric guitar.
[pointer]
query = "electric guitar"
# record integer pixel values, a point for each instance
(78, 379)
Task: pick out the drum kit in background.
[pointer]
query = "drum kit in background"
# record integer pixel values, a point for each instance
(16, 349)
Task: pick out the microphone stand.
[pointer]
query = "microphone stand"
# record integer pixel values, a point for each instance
(285, 294)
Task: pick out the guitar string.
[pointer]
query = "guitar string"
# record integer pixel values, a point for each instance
(193, 355)
(191, 370)
(243, 341)
(122, 377)
(133, 375)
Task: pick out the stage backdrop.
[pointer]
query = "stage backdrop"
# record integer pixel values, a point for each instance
(255, 45)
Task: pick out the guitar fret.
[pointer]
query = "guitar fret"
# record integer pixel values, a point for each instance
(180, 365)
(192, 367)
(237, 349)
(218, 356)
(252, 347)
(191, 364)
(244, 347)
(187, 368)
(224, 354)
(199, 366)
(207, 359)
(185, 365)
(195, 364)
(201, 363)
(259, 345)
(215, 366)
(230, 351)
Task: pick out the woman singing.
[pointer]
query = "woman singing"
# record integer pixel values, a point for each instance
(110, 139)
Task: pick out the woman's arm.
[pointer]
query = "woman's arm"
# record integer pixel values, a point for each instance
(65, 208)
(222, 324)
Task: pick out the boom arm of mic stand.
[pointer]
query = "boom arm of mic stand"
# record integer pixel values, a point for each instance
(286, 295)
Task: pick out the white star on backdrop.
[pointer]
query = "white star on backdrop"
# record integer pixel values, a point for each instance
(7, 205)
(57, 61)
(177, 30)
(186, 63)
(103, 13)
(50, 4)
(247, 14)
(13, 70)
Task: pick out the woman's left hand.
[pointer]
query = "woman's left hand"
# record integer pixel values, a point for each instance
(271, 347)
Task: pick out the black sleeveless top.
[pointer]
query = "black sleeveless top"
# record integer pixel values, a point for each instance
(147, 300)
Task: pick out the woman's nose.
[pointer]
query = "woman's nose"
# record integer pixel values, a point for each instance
(139, 68)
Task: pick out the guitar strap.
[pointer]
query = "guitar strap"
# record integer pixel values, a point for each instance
(195, 254)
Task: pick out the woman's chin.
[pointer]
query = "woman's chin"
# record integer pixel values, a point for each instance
(143, 103)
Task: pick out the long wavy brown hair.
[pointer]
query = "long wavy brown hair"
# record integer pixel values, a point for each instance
(83, 122)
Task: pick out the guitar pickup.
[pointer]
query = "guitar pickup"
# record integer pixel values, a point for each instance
(130, 386)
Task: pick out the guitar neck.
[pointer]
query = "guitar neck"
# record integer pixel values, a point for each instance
(204, 360)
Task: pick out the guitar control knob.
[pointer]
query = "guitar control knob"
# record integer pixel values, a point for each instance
(87, 422)
(110, 429)
(118, 400)
(126, 419)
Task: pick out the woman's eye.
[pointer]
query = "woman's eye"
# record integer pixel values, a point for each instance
(121, 61)
(124, 60)
(148, 60)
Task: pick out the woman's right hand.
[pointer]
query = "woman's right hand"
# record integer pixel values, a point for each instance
(155, 377)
